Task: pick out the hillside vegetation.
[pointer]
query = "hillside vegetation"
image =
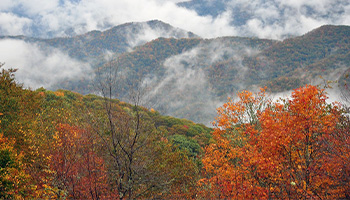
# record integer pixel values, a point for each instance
(66, 145)
(61, 144)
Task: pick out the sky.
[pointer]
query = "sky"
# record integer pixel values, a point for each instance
(272, 19)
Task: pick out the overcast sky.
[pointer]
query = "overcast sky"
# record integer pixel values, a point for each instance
(268, 18)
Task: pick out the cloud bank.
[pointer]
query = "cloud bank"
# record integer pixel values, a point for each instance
(64, 17)
(276, 18)
(38, 67)
(261, 18)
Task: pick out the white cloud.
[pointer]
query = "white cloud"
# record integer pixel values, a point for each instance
(37, 67)
(34, 7)
(88, 15)
(11, 24)
(277, 18)
(6, 4)
(267, 18)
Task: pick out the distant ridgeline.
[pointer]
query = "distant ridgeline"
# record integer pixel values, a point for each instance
(188, 77)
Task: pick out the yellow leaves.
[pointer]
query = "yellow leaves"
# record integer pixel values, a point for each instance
(12, 170)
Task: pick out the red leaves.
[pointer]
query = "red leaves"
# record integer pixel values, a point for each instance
(77, 167)
(278, 151)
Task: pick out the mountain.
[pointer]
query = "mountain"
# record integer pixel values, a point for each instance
(116, 40)
(186, 76)
(189, 78)
(321, 52)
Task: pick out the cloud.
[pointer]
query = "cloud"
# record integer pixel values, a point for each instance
(11, 24)
(142, 33)
(59, 19)
(279, 18)
(185, 87)
(38, 67)
(267, 19)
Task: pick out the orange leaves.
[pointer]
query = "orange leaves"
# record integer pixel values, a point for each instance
(226, 161)
(59, 94)
(78, 171)
(274, 150)
(293, 136)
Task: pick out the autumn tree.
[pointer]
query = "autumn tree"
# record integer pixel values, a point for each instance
(77, 170)
(337, 151)
(296, 133)
(127, 135)
(287, 152)
(19, 108)
(13, 178)
(228, 174)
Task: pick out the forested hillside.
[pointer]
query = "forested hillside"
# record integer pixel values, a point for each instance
(66, 145)
(62, 144)
(232, 99)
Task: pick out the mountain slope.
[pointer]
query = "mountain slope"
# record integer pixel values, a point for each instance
(319, 52)
(190, 77)
(192, 82)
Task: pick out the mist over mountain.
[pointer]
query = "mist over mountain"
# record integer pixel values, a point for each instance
(118, 39)
(51, 62)
(179, 73)
(194, 80)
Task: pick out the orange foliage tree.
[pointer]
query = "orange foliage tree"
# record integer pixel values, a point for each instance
(284, 149)
(78, 171)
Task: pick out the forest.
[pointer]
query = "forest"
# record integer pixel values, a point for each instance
(64, 145)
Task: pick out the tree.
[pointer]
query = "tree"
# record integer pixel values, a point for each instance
(13, 178)
(337, 158)
(296, 133)
(19, 108)
(281, 151)
(78, 172)
(228, 174)
(128, 136)
(12, 175)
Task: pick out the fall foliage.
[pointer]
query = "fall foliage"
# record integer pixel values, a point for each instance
(59, 145)
(286, 150)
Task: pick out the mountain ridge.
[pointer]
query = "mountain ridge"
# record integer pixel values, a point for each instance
(213, 69)
(117, 39)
